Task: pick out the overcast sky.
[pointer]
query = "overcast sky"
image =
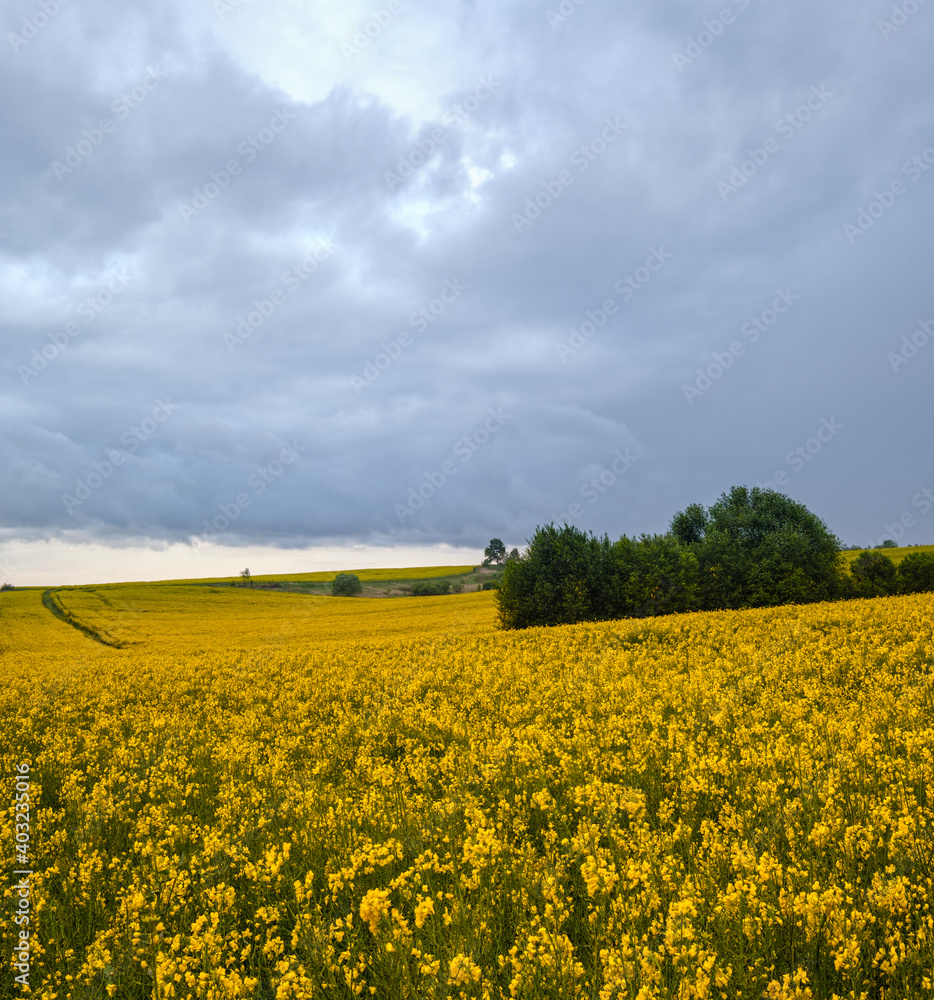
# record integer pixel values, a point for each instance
(328, 284)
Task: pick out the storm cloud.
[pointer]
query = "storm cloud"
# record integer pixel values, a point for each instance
(411, 275)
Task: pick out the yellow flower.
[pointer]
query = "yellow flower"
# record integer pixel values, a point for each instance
(375, 903)
(425, 907)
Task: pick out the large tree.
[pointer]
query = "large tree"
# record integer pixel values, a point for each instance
(656, 575)
(495, 552)
(564, 576)
(916, 573)
(756, 547)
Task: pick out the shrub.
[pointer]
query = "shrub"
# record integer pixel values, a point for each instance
(874, 575)
(656, 576)
(916, 573)
(565, 576)
(7, 586)
(430, 588)
(346, 585)
(490, 585)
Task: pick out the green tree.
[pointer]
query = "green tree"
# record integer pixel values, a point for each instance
(346, 585)
(246, 578)
(495, 552)
(874, 575)
(689, 525)
(565, 576)
(656, 575)
(916, 573)
(757, 548)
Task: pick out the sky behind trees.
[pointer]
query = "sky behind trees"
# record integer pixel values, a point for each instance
(325, 285)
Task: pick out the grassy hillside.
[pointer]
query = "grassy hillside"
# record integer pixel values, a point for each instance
(896, 555)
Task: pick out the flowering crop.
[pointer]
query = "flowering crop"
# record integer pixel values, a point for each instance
(412, 573)
(240, 798)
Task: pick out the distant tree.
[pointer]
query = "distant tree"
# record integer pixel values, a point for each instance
(495, 552)
(245, 577)
(916, 573)
(7, 586)
(874, 575)
(346, 585)
(757, 548)
(888, 544)
(513, 555)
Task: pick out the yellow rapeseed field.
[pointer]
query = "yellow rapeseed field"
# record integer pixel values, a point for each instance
(325, 576)
(270, 795)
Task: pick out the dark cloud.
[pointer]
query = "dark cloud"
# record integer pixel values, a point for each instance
(303, 309)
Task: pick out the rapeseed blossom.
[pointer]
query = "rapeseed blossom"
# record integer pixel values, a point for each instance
(268, 795)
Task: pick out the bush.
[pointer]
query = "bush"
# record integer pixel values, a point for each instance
(657, 575)
(916, 573)
(564, 577)
(490, 585)
(346, 585)
(430, 588)
(7, 586)
(874, 575)
(758, 548)
(752, 548)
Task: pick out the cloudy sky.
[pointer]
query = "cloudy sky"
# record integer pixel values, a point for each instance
(337, 283)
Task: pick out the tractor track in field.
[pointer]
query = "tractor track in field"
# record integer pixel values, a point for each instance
(49, 600)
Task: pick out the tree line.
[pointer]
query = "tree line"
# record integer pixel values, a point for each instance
(753, 548)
